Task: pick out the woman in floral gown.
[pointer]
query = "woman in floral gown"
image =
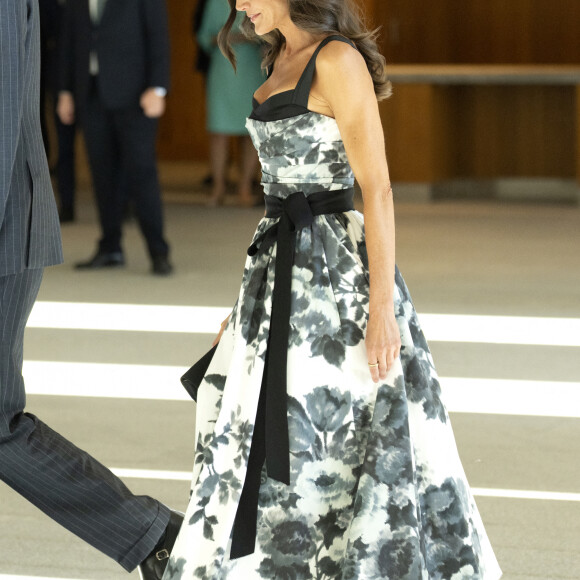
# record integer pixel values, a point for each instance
(323, 449)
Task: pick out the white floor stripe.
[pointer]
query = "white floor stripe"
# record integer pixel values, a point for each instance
(477, 491)
(522, 494)
(461, 395)
(525, 330)
(104, 380)
(204, 319)
(130, 317)
(152, 474)
(511, 397)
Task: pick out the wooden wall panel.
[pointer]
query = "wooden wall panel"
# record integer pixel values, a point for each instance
(435, 133)
(368, 9)
(413, 31)
(484, 31)
(416, 124)
(480, 31)
(555, 31)
(182, 134)
(518, 131)
(576, 122)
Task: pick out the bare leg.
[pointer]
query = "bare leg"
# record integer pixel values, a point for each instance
(219, 158)
(248, 165)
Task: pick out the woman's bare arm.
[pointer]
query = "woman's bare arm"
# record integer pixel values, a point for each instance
(344, 84)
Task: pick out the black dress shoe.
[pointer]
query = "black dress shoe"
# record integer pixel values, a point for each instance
(161, 266)
(154, 565)
(102, 260)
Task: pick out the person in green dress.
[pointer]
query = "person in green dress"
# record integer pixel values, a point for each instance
(228, 101)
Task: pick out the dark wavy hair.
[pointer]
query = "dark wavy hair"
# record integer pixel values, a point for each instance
(319, 17)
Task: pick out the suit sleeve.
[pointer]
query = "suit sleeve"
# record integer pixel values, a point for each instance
(65, 50)
(158, 56)
(13, 28)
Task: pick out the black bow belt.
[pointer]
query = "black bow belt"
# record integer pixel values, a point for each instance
(270, 439)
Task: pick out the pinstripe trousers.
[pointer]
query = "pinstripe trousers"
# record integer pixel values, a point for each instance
(65, 482)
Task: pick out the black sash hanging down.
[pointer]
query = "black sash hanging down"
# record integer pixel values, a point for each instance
(270, 439)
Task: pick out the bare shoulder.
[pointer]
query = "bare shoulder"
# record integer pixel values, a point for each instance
(339, 65)
(339, 58)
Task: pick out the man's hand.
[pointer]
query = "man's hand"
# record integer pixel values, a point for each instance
(153, 105)
(65, 108)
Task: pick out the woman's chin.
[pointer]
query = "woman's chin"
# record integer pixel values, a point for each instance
(259, 27)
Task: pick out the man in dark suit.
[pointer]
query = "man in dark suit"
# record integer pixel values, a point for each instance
(115, 74)
(63, 481)
(51, 13)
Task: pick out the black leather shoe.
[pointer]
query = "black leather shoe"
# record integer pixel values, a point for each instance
(102, 260)
(161, 266)
(154, 565)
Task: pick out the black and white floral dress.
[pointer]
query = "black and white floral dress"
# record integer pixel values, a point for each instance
(376, 488)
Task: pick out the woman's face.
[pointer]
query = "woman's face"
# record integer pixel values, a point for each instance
(266, 15)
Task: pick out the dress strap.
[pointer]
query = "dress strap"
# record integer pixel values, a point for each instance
(302, 90)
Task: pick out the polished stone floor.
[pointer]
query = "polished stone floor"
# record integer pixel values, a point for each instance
(491, 259)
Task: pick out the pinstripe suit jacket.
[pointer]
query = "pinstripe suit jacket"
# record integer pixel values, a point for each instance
(29, 227)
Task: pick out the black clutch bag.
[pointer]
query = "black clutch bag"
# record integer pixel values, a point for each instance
(193, 377)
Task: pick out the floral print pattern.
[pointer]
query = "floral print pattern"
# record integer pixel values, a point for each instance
(376, 486)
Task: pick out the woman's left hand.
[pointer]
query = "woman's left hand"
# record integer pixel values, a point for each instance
(222, 328)
(383, 342)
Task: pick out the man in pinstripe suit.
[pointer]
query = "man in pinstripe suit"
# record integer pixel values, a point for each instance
(62, 480)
